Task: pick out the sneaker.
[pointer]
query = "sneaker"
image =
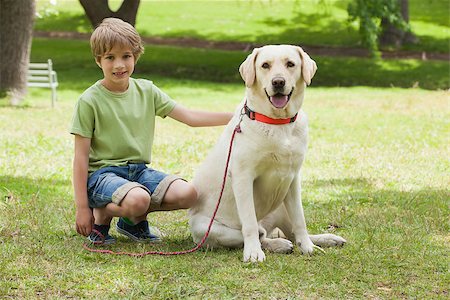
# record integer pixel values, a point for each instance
(101, 236)
(141, 232)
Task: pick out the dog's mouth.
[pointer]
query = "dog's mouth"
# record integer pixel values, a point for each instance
(279, 100)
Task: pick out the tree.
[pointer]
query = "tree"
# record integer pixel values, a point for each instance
(377, 15)
(97, 10)
(394, 35)
(16, 32)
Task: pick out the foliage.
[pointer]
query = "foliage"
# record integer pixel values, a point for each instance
(369, 13)
(46, 9)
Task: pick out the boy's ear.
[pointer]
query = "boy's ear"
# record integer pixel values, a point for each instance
(97, 61)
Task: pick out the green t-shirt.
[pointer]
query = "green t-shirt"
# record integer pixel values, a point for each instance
(120, 125)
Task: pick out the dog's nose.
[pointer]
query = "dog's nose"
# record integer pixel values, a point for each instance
(278, 82)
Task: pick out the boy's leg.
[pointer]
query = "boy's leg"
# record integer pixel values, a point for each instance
(133, 200)
(168, 192)
(179, 195)
(134, 205)
(112, 195)
(100, 232)
(101, 216)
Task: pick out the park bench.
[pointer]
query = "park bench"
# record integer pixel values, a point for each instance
(42, 75)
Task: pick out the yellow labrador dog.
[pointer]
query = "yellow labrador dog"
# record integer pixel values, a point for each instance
(262, 190)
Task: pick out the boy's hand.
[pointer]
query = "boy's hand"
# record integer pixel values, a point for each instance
(84, 221)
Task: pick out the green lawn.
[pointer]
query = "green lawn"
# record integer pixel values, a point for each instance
(311, 22)
(321, 22)
(76, 69)
(376, 173)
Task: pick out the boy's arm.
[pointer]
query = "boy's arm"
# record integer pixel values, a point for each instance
(198, 118)
(84, 216)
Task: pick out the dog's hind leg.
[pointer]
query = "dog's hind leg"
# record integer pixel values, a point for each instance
(277, 245)
(280, 219)
(327, 240)
(219, 236)
(223, 236)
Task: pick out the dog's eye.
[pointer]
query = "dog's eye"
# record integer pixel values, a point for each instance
(290, 64)
(265, 66)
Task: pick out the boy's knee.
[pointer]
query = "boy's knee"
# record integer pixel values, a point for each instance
(183, 194)
(190, 196)
(137, 202)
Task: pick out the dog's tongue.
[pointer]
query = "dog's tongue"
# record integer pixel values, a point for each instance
(279, 101)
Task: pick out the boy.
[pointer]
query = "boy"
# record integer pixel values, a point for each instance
(113, 125)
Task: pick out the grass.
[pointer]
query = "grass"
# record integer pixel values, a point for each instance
(376, 173)
(313, 22)
(75, 66)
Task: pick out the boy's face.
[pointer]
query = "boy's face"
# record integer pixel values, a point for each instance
(117, 65)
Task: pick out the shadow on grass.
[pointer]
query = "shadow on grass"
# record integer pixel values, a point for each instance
(363, 190)
(341, 193)
(307, 29)
(311, 29)
(331, 71)
(355, 209)
(22, 187)
(353, 202)
(439, 12)
(80, 71)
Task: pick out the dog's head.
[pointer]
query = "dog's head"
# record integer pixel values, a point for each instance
(275, 77)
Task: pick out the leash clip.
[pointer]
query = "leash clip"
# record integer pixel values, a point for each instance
(238, 126)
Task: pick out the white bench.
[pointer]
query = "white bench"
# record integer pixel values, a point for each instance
(42, 75)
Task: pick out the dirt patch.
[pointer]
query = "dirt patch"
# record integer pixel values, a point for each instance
(239, 46)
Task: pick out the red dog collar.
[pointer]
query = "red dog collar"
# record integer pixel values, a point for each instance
(265, 119)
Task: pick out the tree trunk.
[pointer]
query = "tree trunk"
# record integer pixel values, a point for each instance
(97, 10)
(392, 34)
(408, 37)
(16, 32)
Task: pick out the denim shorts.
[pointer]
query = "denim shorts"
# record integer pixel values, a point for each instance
(111, 184)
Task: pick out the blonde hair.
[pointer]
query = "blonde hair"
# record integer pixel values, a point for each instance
(112, 32)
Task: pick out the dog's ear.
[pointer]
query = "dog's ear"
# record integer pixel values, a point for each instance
(309, 66)
(247, 68)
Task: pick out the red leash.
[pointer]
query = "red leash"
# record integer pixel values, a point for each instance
(105, 251)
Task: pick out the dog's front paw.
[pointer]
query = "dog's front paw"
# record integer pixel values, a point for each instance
(306, 246)
(253, 254)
